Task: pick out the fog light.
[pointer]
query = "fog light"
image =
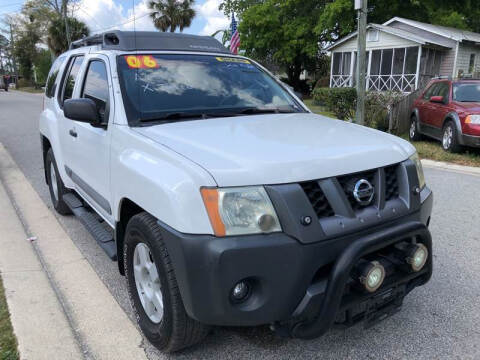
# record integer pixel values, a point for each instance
(240, 291)
(372, 276)
(417, 257)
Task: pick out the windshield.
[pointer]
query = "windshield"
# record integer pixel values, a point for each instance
(466, 92)
(174, 87)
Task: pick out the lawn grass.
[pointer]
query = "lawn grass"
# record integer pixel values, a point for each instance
(8, 342)
(30, 89)
(432, 149)
(317, 109)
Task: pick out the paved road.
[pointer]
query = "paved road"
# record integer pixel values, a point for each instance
(439, 321)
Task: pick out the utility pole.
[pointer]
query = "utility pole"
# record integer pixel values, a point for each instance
(12, 53)
(361, 7)
(65, 17)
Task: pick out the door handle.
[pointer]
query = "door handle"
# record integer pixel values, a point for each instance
(73, 133)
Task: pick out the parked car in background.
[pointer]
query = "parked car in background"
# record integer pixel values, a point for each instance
(4, 82)
(449, 111)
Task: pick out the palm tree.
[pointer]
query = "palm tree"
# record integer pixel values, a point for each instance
(171, 14)
(57, 38)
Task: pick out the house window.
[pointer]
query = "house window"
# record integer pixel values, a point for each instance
(471, 65)
(372, 35)
(376, 58)
(411, 60)
(393, 69)
(341, 63)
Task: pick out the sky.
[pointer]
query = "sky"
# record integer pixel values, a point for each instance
(103, 15)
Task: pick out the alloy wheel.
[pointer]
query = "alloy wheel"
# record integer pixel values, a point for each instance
(447, 137)
(148, 283)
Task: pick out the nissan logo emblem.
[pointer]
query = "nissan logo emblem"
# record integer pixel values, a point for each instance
(363, 192)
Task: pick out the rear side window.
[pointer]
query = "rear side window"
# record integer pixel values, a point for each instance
(52, 77)
(96, 87)
(70, 78)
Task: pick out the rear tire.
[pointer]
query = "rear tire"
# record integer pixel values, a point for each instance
(413, 133)
(153, 288)
(55, 185)
(450, 138)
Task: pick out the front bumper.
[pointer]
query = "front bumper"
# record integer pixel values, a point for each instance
(283, 272)
(470, 140)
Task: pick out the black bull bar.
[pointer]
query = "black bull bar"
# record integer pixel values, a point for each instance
(327, 309)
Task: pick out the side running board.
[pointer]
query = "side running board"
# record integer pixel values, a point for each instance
(93, 223)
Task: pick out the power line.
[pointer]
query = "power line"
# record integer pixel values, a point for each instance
(126, 22)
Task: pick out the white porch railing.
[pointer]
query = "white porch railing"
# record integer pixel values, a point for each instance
(403, 83)
(341, 81)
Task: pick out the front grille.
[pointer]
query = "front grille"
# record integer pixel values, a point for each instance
(348, 183)
(391, 182)
(322, 207)
(317, 199)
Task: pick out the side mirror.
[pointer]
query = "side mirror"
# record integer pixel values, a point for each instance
(299, 95)
(436, 99)
(83, 110)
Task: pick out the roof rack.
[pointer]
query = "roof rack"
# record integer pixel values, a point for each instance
(151, 40)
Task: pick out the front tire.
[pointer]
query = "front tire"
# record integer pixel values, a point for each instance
(55, 185)
(413, 133)
(450, 138)
(153, 288)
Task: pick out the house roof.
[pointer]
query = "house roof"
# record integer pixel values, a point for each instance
(390, 30)
(448, 32)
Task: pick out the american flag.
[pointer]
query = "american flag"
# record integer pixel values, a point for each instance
(235, 40)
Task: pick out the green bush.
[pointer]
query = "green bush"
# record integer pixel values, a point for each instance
(340, 101)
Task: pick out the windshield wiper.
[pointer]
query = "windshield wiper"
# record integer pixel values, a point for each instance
(259, 110)
(180, 116)
(174, 116)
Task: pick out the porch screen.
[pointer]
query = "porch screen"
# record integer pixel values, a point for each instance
(393, 69)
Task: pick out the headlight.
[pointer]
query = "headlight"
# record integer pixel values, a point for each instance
(473, 119)
(240, 211)
(418, 165)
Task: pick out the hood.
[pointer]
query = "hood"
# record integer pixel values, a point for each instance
(279, 148)
(473, 107)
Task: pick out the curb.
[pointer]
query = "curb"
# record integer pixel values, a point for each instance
(39, 323)
(470, 170)
(100, 326)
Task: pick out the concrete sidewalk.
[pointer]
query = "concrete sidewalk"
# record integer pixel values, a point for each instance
(59, 307)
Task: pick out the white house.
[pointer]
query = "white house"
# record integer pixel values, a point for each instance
(403, 54)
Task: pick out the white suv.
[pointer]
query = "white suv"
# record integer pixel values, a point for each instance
(229, 202)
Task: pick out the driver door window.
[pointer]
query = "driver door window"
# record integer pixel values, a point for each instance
(96, 88)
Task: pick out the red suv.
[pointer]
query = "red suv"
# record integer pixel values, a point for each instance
(448, 110)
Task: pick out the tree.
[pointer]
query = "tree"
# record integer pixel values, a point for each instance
(237, 6)
(282, 31)
(171, 14)
(43, 62)
(26, 49)
(57, 39)
(226, 35)
(3, 52)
